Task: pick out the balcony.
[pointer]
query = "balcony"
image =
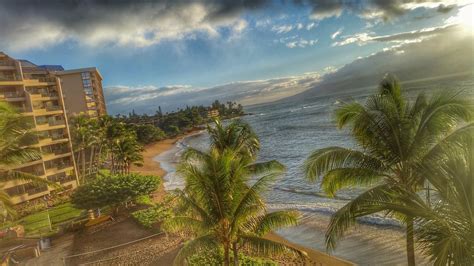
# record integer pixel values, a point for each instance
(53, 153)
(61, 178)
(13, 96)
(53, 108)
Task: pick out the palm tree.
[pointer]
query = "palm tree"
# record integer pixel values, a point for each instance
(394, 136)
(222, 210)
(237, 135)
(127, 152)
(84, 132)
(446, 229)
(15, 136)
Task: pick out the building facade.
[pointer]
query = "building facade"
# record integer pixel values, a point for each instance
(40, 93)
(83, 93)
(37, 94)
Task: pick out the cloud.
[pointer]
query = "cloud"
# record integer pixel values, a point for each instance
(120, 99)
(375, 9)
(337, 33)
(282, 28)
(442, 57)
(140, 23)
(404, 37)
(301, 43)
(311, 25)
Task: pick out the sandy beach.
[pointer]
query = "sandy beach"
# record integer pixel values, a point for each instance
(152, 167)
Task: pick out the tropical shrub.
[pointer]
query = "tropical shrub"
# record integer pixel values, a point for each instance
(153, 215)
(216, 256)
(148, 133)
(113, 190)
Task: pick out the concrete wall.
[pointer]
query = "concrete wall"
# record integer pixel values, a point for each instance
(73, 91)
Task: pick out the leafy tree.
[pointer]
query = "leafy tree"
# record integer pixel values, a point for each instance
(126, 152)
(16, 136)
(147, 134)
(394, 136)
(113, 190)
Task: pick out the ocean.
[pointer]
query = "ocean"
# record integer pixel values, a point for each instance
(289, 131)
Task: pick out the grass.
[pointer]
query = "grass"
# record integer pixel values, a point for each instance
(37, 224)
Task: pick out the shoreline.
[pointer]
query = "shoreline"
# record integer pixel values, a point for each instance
(153, 167)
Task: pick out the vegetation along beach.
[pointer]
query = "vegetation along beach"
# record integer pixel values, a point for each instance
(216, 132)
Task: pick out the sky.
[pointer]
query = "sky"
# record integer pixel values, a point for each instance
(175, 52)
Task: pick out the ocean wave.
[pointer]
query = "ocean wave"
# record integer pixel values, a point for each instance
(329, 209)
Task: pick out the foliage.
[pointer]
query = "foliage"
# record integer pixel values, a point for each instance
(152, 215)
(37, 223)
(113, 190)
(216, 257)
(219, 207)
(445, 228)
(394, 137)
(16, 134)
(147, 134)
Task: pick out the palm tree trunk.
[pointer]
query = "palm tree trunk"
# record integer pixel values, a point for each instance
(226, 255)
(236, 253)
(83, 165)
(410, 242)
(91, 160)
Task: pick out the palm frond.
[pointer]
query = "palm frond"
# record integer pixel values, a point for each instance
(201, 243)
(266, 247)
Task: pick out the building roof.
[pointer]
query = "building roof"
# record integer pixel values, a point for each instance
(80, 70)
(26, 63)
(53, 68)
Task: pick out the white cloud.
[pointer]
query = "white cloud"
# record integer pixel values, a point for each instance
(403, 37)
(301, 43)
(311, 25)
(282, 28)
(120, 99)
(337, 33)
(299, 26)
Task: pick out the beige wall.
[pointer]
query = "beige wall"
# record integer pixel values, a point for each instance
(73, 91)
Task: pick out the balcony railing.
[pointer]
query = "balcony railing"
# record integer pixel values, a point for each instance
(47, 79)
(56, 123)
(14, 94)
(9, 78)
(6, 63)
(59, 136)
(49, 94)
(53, 108)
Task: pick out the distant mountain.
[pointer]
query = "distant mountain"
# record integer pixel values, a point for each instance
(447, 56)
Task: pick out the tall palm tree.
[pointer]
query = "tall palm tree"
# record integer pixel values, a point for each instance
(127, 152)
(393, 135)
(445, 228)
(237, 135)
(15, 136)
(222, 210)
(84, 132)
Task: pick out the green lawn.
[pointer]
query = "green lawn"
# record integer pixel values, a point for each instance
(37, 224)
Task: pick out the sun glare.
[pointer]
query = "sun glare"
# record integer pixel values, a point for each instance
(465, 16)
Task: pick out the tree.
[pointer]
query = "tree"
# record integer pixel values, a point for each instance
(222, 210)
(16, 135)
(113, 190)
(446, 228)
(147, 134)
(86, 135)
(237, 136)
(127, 152)
(394, 136)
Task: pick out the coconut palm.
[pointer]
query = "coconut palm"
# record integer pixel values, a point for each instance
(393, 135)
(445, 230)
(222, 210)
(237, 135)
(126, 152)
(15, 136)
(83, 133)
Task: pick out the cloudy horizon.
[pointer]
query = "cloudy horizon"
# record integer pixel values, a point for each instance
(177, 53)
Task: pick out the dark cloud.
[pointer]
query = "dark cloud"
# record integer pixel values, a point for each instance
(381, 9)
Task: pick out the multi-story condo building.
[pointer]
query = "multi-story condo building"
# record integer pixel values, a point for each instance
(37, 94)
(83, 93)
